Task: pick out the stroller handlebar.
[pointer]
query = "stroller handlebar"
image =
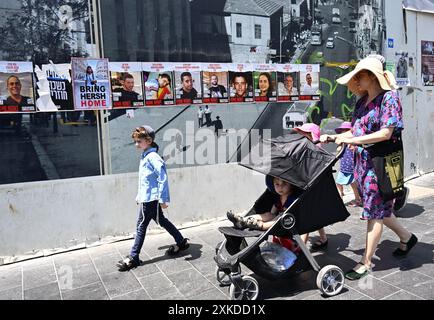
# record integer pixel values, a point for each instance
(340, 152)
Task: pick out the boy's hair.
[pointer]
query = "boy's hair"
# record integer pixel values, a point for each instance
(141, 133)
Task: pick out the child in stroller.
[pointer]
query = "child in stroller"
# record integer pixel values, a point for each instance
(285, 194)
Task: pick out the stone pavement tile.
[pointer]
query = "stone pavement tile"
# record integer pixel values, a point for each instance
(169, 265)
(118, 283)
(158, 285)
(372, 287)
(73, 258)
(210, 294)
(349, 293)
(93, 291)
(102, 250)
(38, 275)
(190, 282)
(76, 275)
(402, 295)
(213, 279)
(12, 294)
(135, 295)
(10, 277)
(171, 296)
(147, 267)
(124, 245)
(46, 292)
(414, 282)
(205, 264)
(211, 237)
(105, 264)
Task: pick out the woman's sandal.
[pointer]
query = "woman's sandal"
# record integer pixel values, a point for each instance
(319, 245)
(410, 244)
(354, 203)
(360, 273)
(177, 248)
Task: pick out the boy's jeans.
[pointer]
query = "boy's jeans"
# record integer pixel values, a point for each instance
(149, 213)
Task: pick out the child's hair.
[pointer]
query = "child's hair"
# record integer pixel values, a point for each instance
(145, 132)
(141, 133)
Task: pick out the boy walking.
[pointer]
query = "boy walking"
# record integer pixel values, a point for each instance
(152, 195)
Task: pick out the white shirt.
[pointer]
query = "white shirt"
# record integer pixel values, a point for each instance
(309, 90)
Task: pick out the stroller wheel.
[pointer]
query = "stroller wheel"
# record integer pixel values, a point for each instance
(330, 280)
(222, 275)
(247, 290)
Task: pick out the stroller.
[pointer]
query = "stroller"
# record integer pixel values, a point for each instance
(300, 162)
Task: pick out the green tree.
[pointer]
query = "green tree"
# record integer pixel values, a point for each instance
(44, 30)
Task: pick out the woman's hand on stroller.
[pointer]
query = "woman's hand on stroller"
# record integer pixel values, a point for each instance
(325, 138)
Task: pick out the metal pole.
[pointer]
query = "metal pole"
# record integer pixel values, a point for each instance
(280, 36)
(95, 28)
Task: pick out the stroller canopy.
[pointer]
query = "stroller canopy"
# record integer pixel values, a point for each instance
(292, 157)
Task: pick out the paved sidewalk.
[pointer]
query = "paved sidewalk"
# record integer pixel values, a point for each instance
(91, 273)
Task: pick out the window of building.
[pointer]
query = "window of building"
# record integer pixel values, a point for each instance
(239, 33)
(257, 31)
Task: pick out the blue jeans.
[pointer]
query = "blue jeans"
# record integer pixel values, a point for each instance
(149, 213)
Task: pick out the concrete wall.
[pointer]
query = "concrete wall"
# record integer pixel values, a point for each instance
(75, 212)
(418, 99)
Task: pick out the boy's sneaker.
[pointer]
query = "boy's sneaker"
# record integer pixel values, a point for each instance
(401, 201)
(175, 249)
(127, 264)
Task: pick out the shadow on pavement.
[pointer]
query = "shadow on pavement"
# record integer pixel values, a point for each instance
(421, 254)
(411, 210)
(192, 253)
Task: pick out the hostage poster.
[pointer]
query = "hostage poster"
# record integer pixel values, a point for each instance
(126, 84)
(16, 87)
(54, 87)
(91, 84)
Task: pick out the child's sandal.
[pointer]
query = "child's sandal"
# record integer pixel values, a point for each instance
(254, 224)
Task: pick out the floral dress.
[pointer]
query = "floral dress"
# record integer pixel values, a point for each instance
(383, 112)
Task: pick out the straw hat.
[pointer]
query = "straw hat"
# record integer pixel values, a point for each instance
(385, 78)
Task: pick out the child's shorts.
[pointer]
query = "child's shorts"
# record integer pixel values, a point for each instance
(344, 178)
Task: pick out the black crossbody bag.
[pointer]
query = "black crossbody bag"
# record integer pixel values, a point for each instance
(388, 160)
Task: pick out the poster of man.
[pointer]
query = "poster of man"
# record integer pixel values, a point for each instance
(188, 83)
(427, 63)
(91, 84)
(240, 82)
(54, 87)
(265, 85)
(16, 87)
(159, 84)
(215, 83)
(288, 82)
(309, 82)
(126, 84)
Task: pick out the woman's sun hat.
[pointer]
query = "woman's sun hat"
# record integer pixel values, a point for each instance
(343, 127)
(385, 78)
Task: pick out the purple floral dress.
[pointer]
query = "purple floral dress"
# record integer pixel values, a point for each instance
(383, 112)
